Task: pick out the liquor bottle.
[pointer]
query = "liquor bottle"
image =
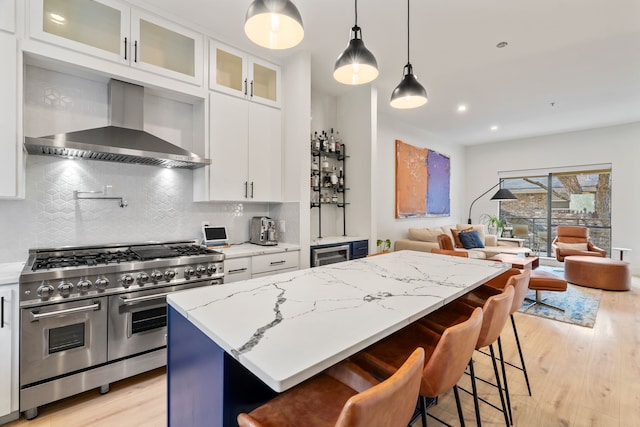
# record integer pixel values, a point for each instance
(334, 197)
(332, 142)
(341, 179)
(338, 143)
(326, 141)
(334, 178)
(315, 142)
(325, 164)
(314, 165)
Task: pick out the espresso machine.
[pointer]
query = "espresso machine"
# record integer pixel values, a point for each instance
(263, 231)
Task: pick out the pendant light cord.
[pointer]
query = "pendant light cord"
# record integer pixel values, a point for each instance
(408, 36)
(356, 13)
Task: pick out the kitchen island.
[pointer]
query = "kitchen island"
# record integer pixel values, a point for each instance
(232, 346)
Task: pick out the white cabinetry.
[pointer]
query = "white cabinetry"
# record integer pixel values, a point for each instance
(8, 350)
(11, 158)
(111, 30)
(245, 150)
(235, 73)
(266, 265)
(237, 269)
(8, 15)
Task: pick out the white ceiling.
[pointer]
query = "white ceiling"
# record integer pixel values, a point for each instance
(581, 55)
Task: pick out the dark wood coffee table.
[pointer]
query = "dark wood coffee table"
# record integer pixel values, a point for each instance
(529, 263)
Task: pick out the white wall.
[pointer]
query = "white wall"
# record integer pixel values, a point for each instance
(617, 145)
(387, 226)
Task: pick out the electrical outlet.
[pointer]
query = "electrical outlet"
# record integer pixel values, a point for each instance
(281, 226)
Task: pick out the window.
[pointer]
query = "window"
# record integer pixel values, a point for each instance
(545, 201)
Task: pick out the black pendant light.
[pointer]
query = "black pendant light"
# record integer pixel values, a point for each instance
(409, 93)
(356, 65)
(274, 24)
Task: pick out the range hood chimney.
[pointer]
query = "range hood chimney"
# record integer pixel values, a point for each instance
(123, 141)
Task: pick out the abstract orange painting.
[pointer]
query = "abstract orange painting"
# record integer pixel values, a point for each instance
(422, 182)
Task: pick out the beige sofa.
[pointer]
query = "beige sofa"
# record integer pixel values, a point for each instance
(425, 239)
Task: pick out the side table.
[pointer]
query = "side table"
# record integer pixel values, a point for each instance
(622, 251)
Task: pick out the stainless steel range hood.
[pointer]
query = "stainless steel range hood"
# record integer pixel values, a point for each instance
(124, 140)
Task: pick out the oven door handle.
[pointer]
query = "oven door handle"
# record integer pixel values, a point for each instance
(136, 300)
(41, 316)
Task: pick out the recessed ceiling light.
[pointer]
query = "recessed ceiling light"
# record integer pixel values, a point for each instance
(494, 128)
(462, 108)
(502, 44)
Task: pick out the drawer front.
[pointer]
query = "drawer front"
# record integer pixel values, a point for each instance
(273, 273)
(237, 269)
(359, 249)
(274, 262)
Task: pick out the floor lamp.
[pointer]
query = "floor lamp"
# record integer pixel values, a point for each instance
(501, 194)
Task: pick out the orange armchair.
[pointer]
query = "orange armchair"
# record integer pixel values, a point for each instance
(571, 240)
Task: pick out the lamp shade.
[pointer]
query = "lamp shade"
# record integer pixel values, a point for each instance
(274, 24)
(504, 194)
(409, 93)
(356, 65)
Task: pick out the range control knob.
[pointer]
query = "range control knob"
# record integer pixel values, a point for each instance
(65, 288)
(102, 283)
(84, 285)
(200, 270)
(188, 272)
(212, 269)
(169, 274)
(126, 280)
(156, 275)
(142, 278)
(45, 291)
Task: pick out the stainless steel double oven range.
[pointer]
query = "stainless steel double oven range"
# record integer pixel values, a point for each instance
(90, 316)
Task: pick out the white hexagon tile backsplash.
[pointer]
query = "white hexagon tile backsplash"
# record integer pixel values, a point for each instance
(160, 207)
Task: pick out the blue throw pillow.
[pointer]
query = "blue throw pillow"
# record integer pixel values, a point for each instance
(470, 240)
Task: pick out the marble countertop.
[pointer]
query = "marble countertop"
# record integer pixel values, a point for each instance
(332, 240)
(249, 249)
(289, 327)
(10, 272)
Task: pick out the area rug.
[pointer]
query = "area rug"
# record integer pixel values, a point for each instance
(580, 303)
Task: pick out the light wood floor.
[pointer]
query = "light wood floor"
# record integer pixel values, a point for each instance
(579, 377)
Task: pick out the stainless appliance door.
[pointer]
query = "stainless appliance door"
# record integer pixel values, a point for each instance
(330, 255)
(61, 338)
(138, 319)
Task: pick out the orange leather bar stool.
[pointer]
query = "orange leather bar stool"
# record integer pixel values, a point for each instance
(601, 273)
(495, 312)
(520, 280)
(344, 396)
(544, 281)
(447, 355)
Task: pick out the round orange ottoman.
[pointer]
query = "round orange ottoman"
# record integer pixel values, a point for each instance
(595, 272)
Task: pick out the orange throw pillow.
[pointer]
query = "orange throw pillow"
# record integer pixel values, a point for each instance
(456, 238)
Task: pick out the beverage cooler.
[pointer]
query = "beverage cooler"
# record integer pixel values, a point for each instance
(333, 253)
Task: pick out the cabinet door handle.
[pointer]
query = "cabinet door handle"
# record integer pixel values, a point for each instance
(135, 51)
(237, 270)
(251, 88)
(125, 48)
(277, 262)
(246, 189)
(2, 312)
(245, 87)
(252, 189)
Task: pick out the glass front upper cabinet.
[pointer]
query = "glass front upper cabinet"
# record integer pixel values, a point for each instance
(236, 73)
(111, 30)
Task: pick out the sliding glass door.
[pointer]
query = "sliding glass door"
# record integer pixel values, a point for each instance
(581, 198)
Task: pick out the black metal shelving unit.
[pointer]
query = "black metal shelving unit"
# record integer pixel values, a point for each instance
(317, 154)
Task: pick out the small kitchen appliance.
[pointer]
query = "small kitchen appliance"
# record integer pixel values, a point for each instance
(263, 231)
